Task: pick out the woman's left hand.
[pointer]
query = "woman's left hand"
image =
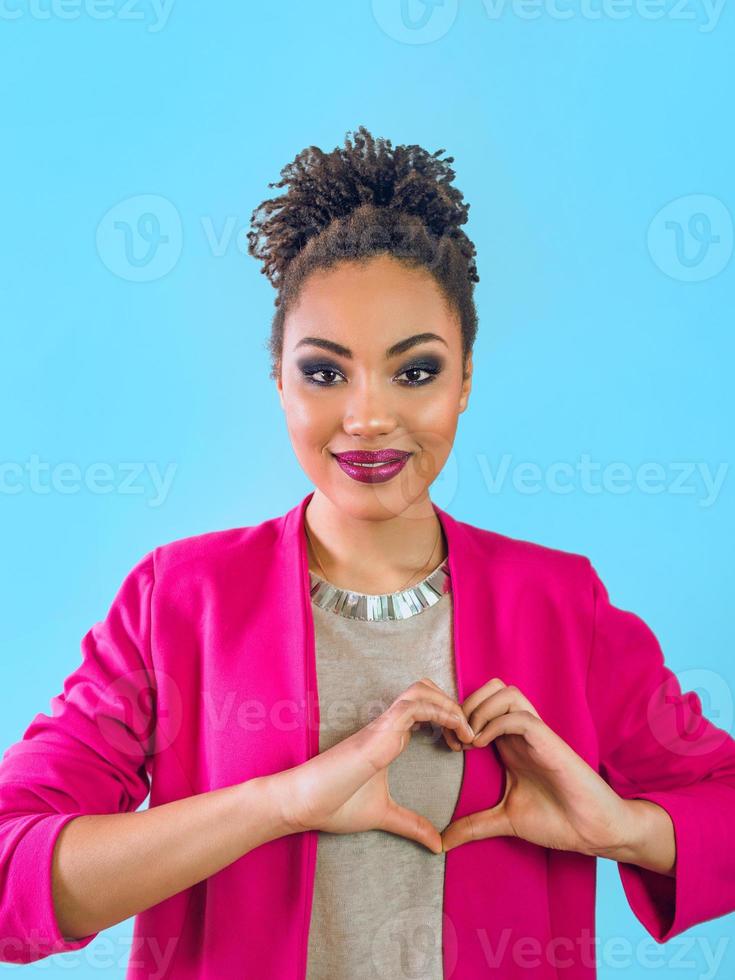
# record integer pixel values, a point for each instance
(552, 797)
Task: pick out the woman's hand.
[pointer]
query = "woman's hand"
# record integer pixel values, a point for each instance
(552, 796)
(345, 789)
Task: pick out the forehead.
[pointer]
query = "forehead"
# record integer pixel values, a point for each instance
(378, 300)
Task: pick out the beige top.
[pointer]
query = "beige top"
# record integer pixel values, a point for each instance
(378, 897)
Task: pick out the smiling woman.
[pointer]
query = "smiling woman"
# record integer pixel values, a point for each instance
(372, 266)
(390, 392)
(315, 829)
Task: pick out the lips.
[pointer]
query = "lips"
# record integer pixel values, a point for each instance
(378, 456)
(378, 466)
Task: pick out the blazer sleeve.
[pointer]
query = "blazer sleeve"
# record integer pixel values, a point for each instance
(655, 744)
(89, 756)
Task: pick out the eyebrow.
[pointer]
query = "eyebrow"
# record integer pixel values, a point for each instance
(400, 348)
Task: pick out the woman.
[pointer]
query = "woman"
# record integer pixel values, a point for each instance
(379, 741)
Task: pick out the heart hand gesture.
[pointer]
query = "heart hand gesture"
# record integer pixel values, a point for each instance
(345, 789)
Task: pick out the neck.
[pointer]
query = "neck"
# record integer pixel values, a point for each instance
(373, 555)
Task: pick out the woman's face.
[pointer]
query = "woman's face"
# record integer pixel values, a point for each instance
(353, 378)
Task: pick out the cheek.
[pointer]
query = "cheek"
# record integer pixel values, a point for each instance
(308, 419)
(301, 411)
(433, 427)
(437, 417)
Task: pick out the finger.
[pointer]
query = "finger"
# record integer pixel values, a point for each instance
(422, 690)
(449, 737)
(407, 823)
(504, 700)
(428, 688)
(515, 723)
(454, 743)
(408, 711)
(477, 826)
(399, 719)
(450, 701)
(434, 685)
(477, 697)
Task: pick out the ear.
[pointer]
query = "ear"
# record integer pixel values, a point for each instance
(466, 386)
(279, 386)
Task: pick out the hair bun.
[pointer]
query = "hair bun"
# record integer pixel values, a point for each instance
(323, 187)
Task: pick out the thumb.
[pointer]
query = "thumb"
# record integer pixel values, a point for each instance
(407, 823)
(477, 826)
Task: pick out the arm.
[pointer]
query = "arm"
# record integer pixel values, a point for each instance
(109, 867)
(74, 780)
(656, 746)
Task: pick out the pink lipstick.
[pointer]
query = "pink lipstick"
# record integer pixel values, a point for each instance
(372, 467)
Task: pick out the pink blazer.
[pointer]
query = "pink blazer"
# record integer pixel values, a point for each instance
(202, 675)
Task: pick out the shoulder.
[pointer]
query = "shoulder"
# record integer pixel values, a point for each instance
(525, 560)
(215, 549)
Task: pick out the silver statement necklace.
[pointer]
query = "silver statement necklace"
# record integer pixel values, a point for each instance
(406, 602)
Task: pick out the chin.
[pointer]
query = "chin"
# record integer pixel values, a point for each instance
(375, 502)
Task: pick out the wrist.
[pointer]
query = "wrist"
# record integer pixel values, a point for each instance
(632, 831)
(267, 797)
(280, 799)
(646, 833)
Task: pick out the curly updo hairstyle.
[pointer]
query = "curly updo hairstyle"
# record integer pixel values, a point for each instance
(361, 200)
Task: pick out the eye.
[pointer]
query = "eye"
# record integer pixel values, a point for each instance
(429, 369)
(311, 373)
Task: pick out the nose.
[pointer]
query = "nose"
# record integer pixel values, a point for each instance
(368, 412)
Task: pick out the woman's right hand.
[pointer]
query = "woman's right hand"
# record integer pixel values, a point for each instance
(344, 790)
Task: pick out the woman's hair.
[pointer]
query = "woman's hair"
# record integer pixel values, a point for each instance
(365, 199)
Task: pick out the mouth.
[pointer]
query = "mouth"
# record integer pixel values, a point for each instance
(372, 467)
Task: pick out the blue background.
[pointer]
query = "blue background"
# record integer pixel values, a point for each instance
(605, 322)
